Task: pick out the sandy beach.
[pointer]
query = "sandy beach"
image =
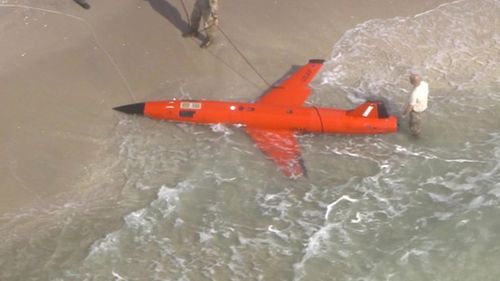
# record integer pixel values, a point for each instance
(63, 68)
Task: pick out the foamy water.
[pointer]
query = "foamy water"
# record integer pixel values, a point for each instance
(183, 202)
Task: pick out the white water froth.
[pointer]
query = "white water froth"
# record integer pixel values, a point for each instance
(142, 222)
(343, 198)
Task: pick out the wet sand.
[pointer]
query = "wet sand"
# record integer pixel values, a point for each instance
(63, 68)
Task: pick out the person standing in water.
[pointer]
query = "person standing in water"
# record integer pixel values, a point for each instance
(83, 3)
(206, 9)
(417, 103)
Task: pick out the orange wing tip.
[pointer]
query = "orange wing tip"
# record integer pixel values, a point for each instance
(293, 169)
(316, 61)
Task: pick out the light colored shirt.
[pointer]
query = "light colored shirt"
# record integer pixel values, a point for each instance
(418, 98)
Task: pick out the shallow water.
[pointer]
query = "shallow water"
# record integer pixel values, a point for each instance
(182, 202)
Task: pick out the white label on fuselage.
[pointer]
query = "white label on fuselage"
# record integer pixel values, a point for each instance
(367, 111)
(190, 105)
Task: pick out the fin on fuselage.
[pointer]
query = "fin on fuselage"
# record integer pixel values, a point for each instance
(370, 109)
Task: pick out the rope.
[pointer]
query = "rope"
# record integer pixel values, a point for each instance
(230, 42)
(243, 56)
(94, 36)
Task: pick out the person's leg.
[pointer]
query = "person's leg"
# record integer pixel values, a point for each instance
(209, 28)
(415, 123)
(209, 37)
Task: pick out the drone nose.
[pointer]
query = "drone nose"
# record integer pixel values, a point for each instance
(136, 108)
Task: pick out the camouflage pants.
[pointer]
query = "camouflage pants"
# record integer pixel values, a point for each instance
(415, 123)
(202, 10)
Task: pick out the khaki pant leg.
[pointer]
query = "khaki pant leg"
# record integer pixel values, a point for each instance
(210, 25)
(208, 20)
(415, 123)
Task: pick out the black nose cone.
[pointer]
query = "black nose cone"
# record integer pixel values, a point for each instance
(136, 108)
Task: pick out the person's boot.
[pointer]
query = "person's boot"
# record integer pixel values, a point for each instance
(208, 41)
(83, 3)
(190, 33)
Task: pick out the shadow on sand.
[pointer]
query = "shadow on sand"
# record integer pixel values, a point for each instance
(172, 14)
(169, 12)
